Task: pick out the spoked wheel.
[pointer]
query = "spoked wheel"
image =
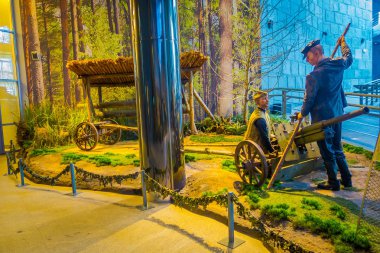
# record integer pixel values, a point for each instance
(110, 136)
(86, 136)
(251, 163)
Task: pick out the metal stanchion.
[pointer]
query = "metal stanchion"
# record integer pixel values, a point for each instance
(8, 164)
(143, 190)
(73, 181)
(21, 166)
(231, 241)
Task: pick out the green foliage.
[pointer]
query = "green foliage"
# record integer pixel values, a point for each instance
(97, 37)
(279, 212)
(325, 227)
(42, 151)
(338, 211)
(376, 165)
(222, 125)
(100, 160)
(214, 138)
(136, 162)
(308, 203)
(50, 126)
(357, 150)
(229, 165)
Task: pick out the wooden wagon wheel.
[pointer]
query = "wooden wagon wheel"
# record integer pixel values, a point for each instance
(251, 163)
(86, 136)
(112, 135)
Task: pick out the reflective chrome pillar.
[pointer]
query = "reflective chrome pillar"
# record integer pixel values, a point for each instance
(158, 89)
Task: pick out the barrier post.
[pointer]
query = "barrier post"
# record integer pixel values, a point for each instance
(143, 190)
(21, 166)
(73, 181)
(231, 241)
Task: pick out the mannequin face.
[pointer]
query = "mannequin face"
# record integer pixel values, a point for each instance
(313, 58)
(263, 102)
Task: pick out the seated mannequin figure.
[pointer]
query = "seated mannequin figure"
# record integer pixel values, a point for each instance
(259, 125)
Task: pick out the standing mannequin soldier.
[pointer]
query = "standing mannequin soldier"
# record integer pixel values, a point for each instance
(259, 125)
(324, 99)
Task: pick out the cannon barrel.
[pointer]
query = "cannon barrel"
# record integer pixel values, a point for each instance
(320, 125)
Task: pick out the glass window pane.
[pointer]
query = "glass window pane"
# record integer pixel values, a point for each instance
(5, 15)
(9, 105)
(7, 60)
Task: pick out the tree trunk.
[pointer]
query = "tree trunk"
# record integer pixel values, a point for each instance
(109, 11)
(128, 39)
(74, 32)
(48, 57)
(226, 84)
(202, 49)
(65, 51)
(92, 6)
(80, 27)
(26, 55)
(34, 48)
(116, 14)
(213, 92)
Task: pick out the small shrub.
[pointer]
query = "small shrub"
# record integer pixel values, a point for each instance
(189, 158)
(311, 204)
(136, 163)
(229, 165)
(279, 212)
(338, 211)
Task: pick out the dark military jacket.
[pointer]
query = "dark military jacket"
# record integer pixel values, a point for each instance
(324, 96)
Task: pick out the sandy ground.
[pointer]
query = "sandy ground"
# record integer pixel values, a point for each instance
(207, 175)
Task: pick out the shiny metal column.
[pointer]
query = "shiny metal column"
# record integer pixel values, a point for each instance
(158, 89)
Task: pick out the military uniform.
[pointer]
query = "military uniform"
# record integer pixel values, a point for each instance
(259, 132)
(324, 99)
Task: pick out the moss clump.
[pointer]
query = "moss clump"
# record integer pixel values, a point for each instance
(193, 157)
(357, 150)
(100, 160)
(136, 162)
(338, 211)
(214, 138)
(311, 204)
(352, 162)
(229, 165)
(279, 212)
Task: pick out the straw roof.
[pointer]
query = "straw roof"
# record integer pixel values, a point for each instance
(120, 72)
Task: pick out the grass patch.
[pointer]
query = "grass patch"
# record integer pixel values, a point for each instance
(106, 159)
(42, 151)
(357, 150)
(193, 157)
(215, 138)
(278, 212)
(229, 165)
(311, 204)
(343, 235)
(338, 211)
(352, 162)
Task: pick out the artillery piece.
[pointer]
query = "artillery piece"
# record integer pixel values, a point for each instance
(253, 166)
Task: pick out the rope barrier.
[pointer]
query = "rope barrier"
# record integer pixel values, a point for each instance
(178, 199)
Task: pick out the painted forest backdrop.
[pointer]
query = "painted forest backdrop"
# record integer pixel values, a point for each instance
(228, 31)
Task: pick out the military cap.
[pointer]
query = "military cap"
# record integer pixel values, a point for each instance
(260, 94)
(309, 46)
